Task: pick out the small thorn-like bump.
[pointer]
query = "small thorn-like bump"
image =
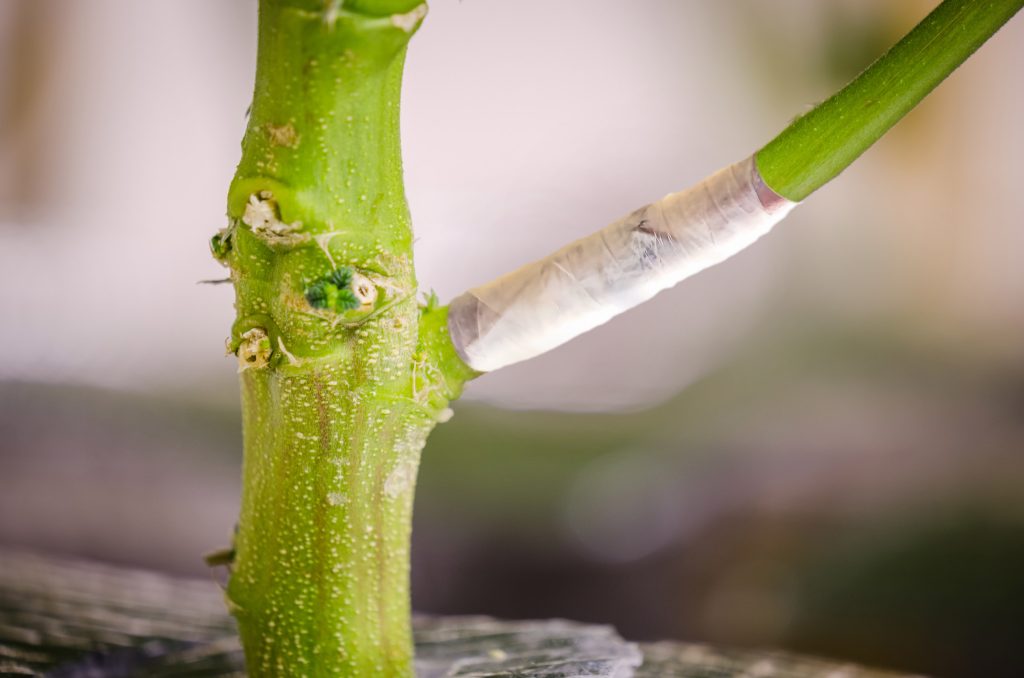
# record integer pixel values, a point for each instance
(224, 556)
(220, 245)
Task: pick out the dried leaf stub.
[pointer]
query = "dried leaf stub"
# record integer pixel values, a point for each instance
(548, 302)
(254, 350)
(261, 215)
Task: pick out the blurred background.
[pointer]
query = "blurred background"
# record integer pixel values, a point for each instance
(818, 445)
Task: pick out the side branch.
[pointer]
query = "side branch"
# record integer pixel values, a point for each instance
(548, 302)
(545, 304)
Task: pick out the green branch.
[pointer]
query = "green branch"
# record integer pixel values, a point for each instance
(547, 302)
(821, 144)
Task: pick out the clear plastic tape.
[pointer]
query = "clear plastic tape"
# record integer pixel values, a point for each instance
(586, 283)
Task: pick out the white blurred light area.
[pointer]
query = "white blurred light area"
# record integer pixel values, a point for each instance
(525, 125)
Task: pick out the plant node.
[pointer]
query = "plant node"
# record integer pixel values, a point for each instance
(341, 290)
(254, 350)
(262, 215)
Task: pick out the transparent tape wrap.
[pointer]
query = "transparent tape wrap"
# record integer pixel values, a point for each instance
(586, 283)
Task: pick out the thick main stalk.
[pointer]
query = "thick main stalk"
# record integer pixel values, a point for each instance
(338, 390)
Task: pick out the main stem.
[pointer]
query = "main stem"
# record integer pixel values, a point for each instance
(339, 390)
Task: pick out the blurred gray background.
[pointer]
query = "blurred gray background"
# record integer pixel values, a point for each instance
(817, 445)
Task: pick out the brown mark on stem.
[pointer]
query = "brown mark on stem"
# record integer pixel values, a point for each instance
(282, 135)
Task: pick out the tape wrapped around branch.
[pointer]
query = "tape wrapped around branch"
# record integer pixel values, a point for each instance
(586, 283)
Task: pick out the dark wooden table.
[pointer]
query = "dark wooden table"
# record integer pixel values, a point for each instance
(73, 619)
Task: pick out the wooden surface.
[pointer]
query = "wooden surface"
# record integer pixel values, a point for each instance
(83, 620)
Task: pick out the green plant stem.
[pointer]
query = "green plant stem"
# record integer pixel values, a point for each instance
(337, 398)
(821, 144)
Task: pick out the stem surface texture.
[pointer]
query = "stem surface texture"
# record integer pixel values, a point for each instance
(340, 385)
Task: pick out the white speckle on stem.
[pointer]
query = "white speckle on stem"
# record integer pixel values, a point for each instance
(288, 354)
(400, 480)
(411, 19)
